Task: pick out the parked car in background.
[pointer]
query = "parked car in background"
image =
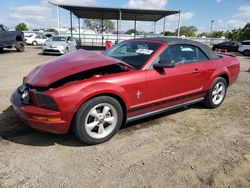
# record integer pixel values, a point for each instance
(96, 93)
(229, 46)
(245, 47)
(59, 45)
(35, 39)
(9, 39)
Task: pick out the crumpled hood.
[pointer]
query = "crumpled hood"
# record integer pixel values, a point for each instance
(66, 65)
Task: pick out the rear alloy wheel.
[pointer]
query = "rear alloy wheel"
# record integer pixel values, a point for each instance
(19, 46)
(34, 43)
(98, 120)
(246, 53)
(216, 94)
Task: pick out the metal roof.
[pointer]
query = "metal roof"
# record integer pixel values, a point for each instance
(114, 13)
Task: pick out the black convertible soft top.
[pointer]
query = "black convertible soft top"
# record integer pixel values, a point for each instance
(171, 41)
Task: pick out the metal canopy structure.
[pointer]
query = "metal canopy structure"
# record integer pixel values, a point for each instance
(114, 13)
(119, 14)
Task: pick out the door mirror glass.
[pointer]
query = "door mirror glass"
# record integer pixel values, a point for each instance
(161, 65)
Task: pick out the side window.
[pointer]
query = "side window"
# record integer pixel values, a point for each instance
(181, 54)
(201, 56)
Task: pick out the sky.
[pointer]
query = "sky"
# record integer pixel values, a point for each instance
(227, 14)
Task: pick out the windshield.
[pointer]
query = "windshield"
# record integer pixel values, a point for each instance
(59, 39)
(135, 53)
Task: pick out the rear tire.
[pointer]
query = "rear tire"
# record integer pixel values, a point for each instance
(19, 46)
(246, 52)
(216, 94)
(1, 49)
(34, 43)
(98, 119)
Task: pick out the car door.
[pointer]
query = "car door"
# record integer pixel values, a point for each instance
(43, 39)
(178, 84)
(6, 36)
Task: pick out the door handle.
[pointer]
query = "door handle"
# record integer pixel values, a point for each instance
(196, 71)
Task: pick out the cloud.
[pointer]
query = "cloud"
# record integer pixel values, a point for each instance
(218, 1)
(185, 16)
(74, 2)
(146, 4)
(238, 20)
(40, 15)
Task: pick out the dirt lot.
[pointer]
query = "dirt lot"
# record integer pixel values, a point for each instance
(190, 147)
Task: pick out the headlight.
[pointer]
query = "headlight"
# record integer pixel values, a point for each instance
(44, 101)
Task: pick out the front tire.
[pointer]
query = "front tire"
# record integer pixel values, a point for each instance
(216, 94)
(98, 120)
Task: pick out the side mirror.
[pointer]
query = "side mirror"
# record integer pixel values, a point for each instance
(162, 64)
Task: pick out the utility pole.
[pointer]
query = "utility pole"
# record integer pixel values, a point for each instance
(212, 25)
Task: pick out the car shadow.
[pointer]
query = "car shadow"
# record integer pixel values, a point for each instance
(12, 129)
(5, 51)
(42, 54)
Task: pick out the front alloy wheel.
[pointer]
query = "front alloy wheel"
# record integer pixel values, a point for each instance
(101, 120)
(98, 120)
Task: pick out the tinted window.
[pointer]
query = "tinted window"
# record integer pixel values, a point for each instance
(134, 53)
(245, 43)
(182, 54)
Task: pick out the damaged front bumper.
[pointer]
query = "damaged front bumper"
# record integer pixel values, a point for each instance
(39, 118)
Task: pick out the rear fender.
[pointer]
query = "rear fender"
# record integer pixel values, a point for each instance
(216, 74)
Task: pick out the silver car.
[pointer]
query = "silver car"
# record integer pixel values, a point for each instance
(59, 45)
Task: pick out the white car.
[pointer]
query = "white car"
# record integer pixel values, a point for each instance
(245, 47)
(35, 39)
(59, 45)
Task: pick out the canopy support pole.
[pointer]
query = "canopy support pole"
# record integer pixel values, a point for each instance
(164, 25)
(71, 24)
(58, 20)
(102, 31)
(154, 27)
(79, 32)
(135, 28)
(179, 24)
(120, 18)
(117, 34)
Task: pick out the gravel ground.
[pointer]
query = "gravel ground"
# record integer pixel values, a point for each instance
(190, 147)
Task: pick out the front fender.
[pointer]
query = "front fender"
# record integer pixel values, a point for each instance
(102, 88)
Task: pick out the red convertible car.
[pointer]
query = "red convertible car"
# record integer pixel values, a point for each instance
(94, 94)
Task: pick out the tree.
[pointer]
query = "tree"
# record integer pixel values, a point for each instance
(203, 34)
(21, 27)
(188, 31)
(217, 34)
(168, 33)
(96, 24)
(245, 32)
(52, 30)
(131, 31)
(235, 34)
